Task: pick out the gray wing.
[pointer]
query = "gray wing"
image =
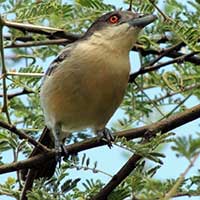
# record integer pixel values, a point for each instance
(59, 59)
(46, 169)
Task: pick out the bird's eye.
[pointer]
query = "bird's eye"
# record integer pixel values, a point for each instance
(114, 19)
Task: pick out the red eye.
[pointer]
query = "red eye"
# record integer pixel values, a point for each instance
(114, 19)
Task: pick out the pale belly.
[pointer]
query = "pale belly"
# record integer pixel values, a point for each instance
(78, 102)
(84, 95)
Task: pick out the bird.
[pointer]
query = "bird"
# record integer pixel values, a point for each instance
(86, 82)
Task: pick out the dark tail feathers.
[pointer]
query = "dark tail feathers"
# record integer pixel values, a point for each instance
(45, 170)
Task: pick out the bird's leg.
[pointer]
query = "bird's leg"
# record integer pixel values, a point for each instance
(65, 153)
(56, 134)
(59, 145)
(106, 136)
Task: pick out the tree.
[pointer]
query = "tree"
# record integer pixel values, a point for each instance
(154, 105)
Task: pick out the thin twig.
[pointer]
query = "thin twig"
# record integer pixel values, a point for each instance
(6, 193)
(29, 27)
(23, 135)
(159, 10)
(79, 167)
(174, 54)
(179, 59)
(154, 104)
(189, 194)
(4, 74)
(23, 92)
(53, 32)
(190, 88)
(176, 107)
(39, 43)
(130, 5)
(181, 178)
(36, 75)
(165, 52)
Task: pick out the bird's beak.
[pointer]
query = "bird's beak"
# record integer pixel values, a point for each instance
(142, 21)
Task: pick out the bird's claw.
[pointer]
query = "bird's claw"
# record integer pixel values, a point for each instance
(106, 136)
(65, 153)
(58, 154)
(61, 151)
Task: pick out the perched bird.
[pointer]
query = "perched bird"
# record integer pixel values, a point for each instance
(86, 83)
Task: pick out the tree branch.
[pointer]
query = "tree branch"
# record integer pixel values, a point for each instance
(43, 30)
(4, 74)
(23, 135)
(39, 43)
(181, 178)
(165, 52)
(194, 59)
(118, 178)
(36, 75)
(161, 126)
(144, 70)
(23, 92)
(189, 88)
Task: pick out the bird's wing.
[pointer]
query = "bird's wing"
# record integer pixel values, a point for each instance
(47, 169)
(59, 59)
(45, 138)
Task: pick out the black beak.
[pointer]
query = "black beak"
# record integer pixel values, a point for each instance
(142, 21)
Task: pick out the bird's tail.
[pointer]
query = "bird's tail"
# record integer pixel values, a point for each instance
(45, 170)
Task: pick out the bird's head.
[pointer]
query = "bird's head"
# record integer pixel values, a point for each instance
(118, 28)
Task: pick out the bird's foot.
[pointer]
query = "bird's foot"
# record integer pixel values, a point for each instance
(65, 153)
(106, 136)
(58, 149)
(59, 144)
(61, 151)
